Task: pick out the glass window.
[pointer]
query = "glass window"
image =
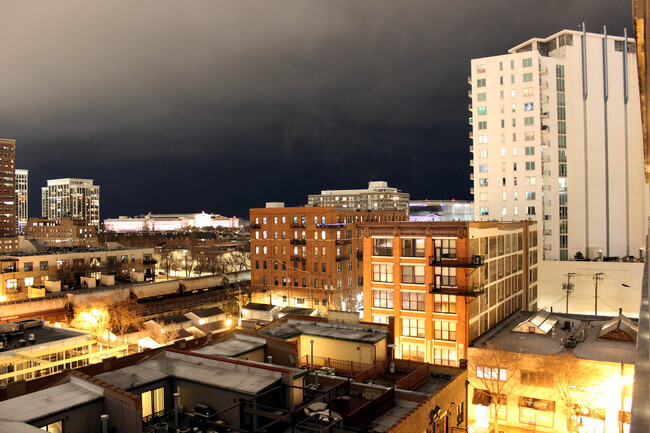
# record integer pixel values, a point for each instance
(382, 273)
(528, 91)
(444, 330)
(445, 277)
(482, 125)
(413, 352)
(444, 356)
(28, 266)
(481, 97)
(527, 62)
(444, 303)
(382, 247)
(482, 111)
(381, 298)
(413, 274)
(44, 265)
(153, 402)
(528, 76)
(413, 247)
(480, 82)
(413, 301)
(445, 248)
(413, 328)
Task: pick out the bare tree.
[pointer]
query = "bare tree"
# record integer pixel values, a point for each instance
(496, 372)
(124, 314)
(575, 383)
(93, 317)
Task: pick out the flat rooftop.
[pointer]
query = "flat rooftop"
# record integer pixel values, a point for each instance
(591, 348)
(230, 376)
(55, 400)
(340, 331)
(235, 346)
(42, 335)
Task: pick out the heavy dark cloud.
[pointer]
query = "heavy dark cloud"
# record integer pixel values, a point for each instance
(223, 105)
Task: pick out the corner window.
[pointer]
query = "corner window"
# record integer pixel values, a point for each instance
(382, 247)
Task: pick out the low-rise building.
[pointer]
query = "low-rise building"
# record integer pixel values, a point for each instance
(446, 283)
(19, 272)
(553, 372)
(62, 232)
(168, 222)
(378, 196)
(441, 210)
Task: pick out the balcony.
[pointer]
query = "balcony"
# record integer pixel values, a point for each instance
(469, 93)
(545, 129)
(546, 187)
(546, 143)
(298, 241)
(548, 247)
(543, 70)
(544, 114)
(255, 226)
(546, 203)
(471, 134)
(544, 99)
(543, 85)
(470, 120)
(471, 163)
(343, 241)
(469, 79)
(474, 261)
(360, 255)
(469, 107)
(546, 232)
(298, 259)
(330, 225)
(471, 176)
(467, 290)
(471, 190)
(298, 225)
(342, 257)
(546, 173)
(471, 148)
(546, 158)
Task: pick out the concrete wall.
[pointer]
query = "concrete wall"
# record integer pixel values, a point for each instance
(612, 294)
(81, 419)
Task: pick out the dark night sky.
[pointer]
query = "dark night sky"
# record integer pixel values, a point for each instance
(224, 105)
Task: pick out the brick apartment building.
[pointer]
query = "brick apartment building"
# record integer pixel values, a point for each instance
(446, 283)
(62, 232)
(310, 256)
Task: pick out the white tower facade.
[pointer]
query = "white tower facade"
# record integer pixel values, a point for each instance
(22, 205)
(557, 137)
(74, 198)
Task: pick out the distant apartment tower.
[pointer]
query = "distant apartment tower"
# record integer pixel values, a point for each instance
(557, 137)
(22, 208)
(7, 188)
(74, 198)
(378, 196)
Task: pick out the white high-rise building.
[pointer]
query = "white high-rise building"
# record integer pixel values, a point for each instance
(557, 137)
(74, 198)
(22, 208)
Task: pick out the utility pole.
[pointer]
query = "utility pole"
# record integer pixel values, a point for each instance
(568, 287)
(597, 279)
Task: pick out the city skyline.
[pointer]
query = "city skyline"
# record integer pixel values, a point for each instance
(183, 109)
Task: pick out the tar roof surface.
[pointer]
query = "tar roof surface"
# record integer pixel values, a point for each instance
(218, 374)
(42, 335)
(50, 401)
(235, 346)
(548, 344)
(207, 312)
(259, 307)
(293, 328)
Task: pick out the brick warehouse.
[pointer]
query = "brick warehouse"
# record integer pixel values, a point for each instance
(310, 256)
(446, 283)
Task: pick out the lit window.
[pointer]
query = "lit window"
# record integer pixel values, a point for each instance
(482, 111)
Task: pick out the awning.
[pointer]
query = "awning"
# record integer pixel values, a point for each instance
(537, 404)
(483, 397)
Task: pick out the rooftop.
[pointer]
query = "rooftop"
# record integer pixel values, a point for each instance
(48, 401)
(42, 335)
(208, 312)
(237, 345)
(585, 329)
(294, 327)
(259, 307)
(218, 373)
